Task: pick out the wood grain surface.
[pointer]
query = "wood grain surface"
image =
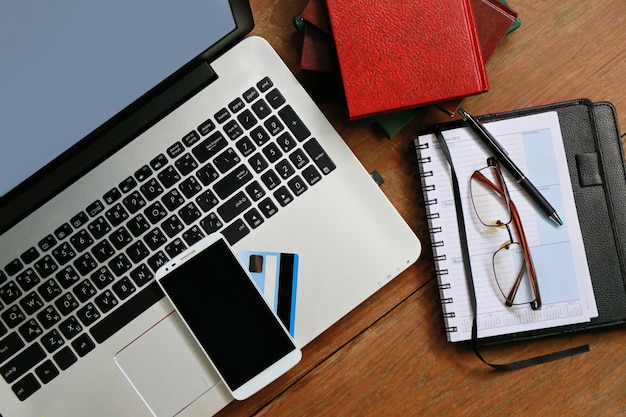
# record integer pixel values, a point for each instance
(389, 357)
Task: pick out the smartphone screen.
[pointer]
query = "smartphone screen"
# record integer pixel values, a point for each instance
(228, 316)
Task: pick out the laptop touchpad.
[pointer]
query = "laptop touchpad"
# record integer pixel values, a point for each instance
(167, 368)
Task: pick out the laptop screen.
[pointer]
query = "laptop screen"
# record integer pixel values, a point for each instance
(68, 66)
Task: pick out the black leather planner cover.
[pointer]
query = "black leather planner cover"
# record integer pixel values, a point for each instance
(597, 171)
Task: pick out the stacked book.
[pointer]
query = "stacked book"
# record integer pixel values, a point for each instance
(394, 56)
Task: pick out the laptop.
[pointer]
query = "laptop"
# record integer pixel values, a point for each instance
(130, 130)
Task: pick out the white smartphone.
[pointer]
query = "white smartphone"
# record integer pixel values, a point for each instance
(227, 315)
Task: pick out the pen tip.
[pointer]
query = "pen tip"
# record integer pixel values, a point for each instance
(462, 112)
(556, 219)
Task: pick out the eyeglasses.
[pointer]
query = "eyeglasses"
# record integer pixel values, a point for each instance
(512, 260)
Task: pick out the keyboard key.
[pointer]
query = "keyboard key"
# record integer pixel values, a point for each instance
(95, 208)
(155, 239)
(9, 346)
(81, 240)
(137, 251)
(66, 304)
(233, 181)
(31, 303)
(207, 200)
(234, 206)
(186, 164)
(48, 317)
(236, 231)
(128, 184)
(245, 146)
(10, 292)
(85, 263)
(44, 267)
(299, 159)
(190, 213)
(293, 123)
(13, 316)
(193, 235)
(47, 371)
(190, 187)
(191, 138)
(112, 196)
(67, 277)
(247, 119)
(273, 125)
(30, 255)
(175, 248)
(286, 142)
(26, 387)
(103, 251)
(119, 265)
(173, 199)
(258, 163)
(102, 277)
(227, 160)
(47, 243)
(158, 162)
(30, 330)
(297, 186)
(255, 191)
(259, 136)
(175, 150)
(172, 226)
(120, 238)
(52, 341)
(206, 127)
(155, 213)
(14, 267)
(123, 289)
(64, 253)
(60, 233)
(265, 84)
(157, 260)
(207, 174)
(84, 290)
(28, 279)
(116, 215)
(88, 314)
(236, 105)
(70, 327)
(250, 95)
(134, 202)
(233, 130)
(99, 227)
(275, 98)
(261, 109)
(283, 196)
(169, 176)
(319, 156)
(65, 358)
(138, 225)
(106, 302)
(151, 189)
(268, 208)
(254, 218)
(208, 148)
(143, 173)
(285, 169)
(83, 345)
(270, 179)
(210, 224)
(272, 152)
(126, 312)
(22, 363)
(222, 115)
(49, 290)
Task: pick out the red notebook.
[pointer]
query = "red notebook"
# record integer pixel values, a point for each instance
(395, 55)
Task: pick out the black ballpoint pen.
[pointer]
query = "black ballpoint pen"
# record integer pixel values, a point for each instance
(507, 162)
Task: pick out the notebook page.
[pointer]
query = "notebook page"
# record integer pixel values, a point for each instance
(535, 144)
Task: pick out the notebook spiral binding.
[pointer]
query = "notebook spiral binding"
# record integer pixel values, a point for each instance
(435, 225)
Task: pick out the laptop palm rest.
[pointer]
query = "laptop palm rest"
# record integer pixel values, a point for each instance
(167, 368)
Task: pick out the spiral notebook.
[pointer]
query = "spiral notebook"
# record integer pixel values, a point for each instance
(572, 152)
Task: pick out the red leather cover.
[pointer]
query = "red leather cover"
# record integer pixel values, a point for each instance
(398, 54)
(493, 20)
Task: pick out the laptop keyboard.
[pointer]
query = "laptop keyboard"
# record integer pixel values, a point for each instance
(79, 285)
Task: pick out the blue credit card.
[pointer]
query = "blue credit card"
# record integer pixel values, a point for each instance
(276, 275)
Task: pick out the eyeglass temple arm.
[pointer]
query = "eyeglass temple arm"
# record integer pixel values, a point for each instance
(524, 243)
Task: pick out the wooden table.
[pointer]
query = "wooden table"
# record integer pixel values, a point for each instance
(389, 356)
